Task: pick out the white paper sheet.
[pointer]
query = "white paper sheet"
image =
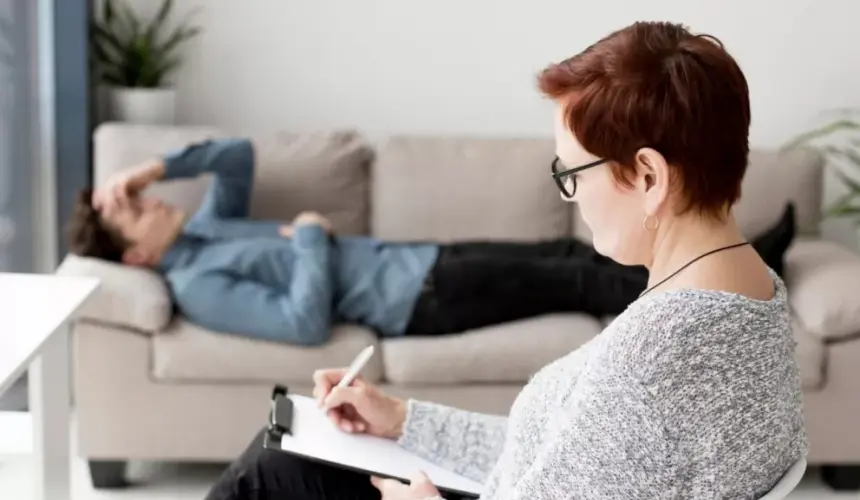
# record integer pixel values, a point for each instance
(316, 437)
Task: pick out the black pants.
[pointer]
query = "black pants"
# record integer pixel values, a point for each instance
(478, 284)
(261, 474)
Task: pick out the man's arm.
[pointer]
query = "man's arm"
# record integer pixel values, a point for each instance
(231, 161)
(298, 313)
(245, 228)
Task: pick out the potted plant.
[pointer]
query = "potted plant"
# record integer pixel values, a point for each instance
(133, 59)
(839, 142)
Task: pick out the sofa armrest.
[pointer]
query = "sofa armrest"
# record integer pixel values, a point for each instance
(823, 281)
(131, 297)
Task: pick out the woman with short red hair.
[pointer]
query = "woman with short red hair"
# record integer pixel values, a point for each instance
(693, 391)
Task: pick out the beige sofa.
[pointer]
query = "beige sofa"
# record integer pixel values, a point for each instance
(150, 385)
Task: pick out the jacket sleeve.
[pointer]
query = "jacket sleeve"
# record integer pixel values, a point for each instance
(230, 161)
(227, 229)
(300, 313)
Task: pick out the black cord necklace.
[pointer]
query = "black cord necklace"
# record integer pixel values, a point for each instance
(685, 266)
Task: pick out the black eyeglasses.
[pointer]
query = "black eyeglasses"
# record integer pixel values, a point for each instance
(566, 179)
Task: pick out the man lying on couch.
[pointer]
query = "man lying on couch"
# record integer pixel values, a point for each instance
(291, 282)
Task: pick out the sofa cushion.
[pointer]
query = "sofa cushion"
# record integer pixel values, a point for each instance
(322, 171)
(811, 356)
(822, 279)
(457, 188)
(327, 172)
(508, 353)
(772, 180)
(130, 297)
(187, 352)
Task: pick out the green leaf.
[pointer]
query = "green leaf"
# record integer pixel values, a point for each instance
(108, 11)
(115, 79)
(186, 20)
(132, 21)
(100, 55)
(820, 132)
(165, 67)
(835, 208)
(853, 185)
(849, 211)
(137, 55)
(853, 156)
(163, 12)
(178, 36)
(158, 21)
(132, 52)
(103, 37)
(845, 208)
(846, 154)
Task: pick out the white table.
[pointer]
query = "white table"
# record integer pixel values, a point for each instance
(34, 310)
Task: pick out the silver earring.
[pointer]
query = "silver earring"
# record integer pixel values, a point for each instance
(645, 223)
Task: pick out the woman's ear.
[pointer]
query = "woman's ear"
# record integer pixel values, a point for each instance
(653, 175)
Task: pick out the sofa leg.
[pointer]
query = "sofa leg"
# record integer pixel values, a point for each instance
(842, 477)
(108, 474)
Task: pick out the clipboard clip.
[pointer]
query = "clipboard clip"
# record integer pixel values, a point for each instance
(281, 414)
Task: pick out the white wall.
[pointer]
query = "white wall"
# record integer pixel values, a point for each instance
(468, 66)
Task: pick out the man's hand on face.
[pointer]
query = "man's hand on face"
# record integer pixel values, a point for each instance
(126, 184)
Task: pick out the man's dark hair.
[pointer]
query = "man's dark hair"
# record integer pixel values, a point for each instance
(87, 234)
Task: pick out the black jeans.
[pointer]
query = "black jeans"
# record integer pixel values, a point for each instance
(477, 284)
(261, 474)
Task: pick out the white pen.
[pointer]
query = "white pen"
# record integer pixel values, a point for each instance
(356, 366)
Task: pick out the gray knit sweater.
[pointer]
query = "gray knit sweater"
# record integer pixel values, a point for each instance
(688, 394)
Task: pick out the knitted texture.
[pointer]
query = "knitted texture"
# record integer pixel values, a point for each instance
(688, 394)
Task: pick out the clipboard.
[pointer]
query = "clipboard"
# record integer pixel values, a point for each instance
(298, 427)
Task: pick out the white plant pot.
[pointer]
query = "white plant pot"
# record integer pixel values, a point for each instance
(153, 106)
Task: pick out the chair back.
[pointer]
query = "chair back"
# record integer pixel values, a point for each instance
(788, 483)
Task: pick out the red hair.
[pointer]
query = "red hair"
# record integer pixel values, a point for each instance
(657, 85)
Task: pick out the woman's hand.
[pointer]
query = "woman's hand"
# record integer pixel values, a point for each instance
(361, 407)
(420, 488)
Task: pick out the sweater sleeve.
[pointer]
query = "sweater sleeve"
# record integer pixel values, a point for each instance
(463, 442)
(615, 446)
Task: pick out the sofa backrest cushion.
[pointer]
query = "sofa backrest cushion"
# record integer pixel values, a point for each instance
(439, 188)
(772, 180)
(458, 188)
(322, 171)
